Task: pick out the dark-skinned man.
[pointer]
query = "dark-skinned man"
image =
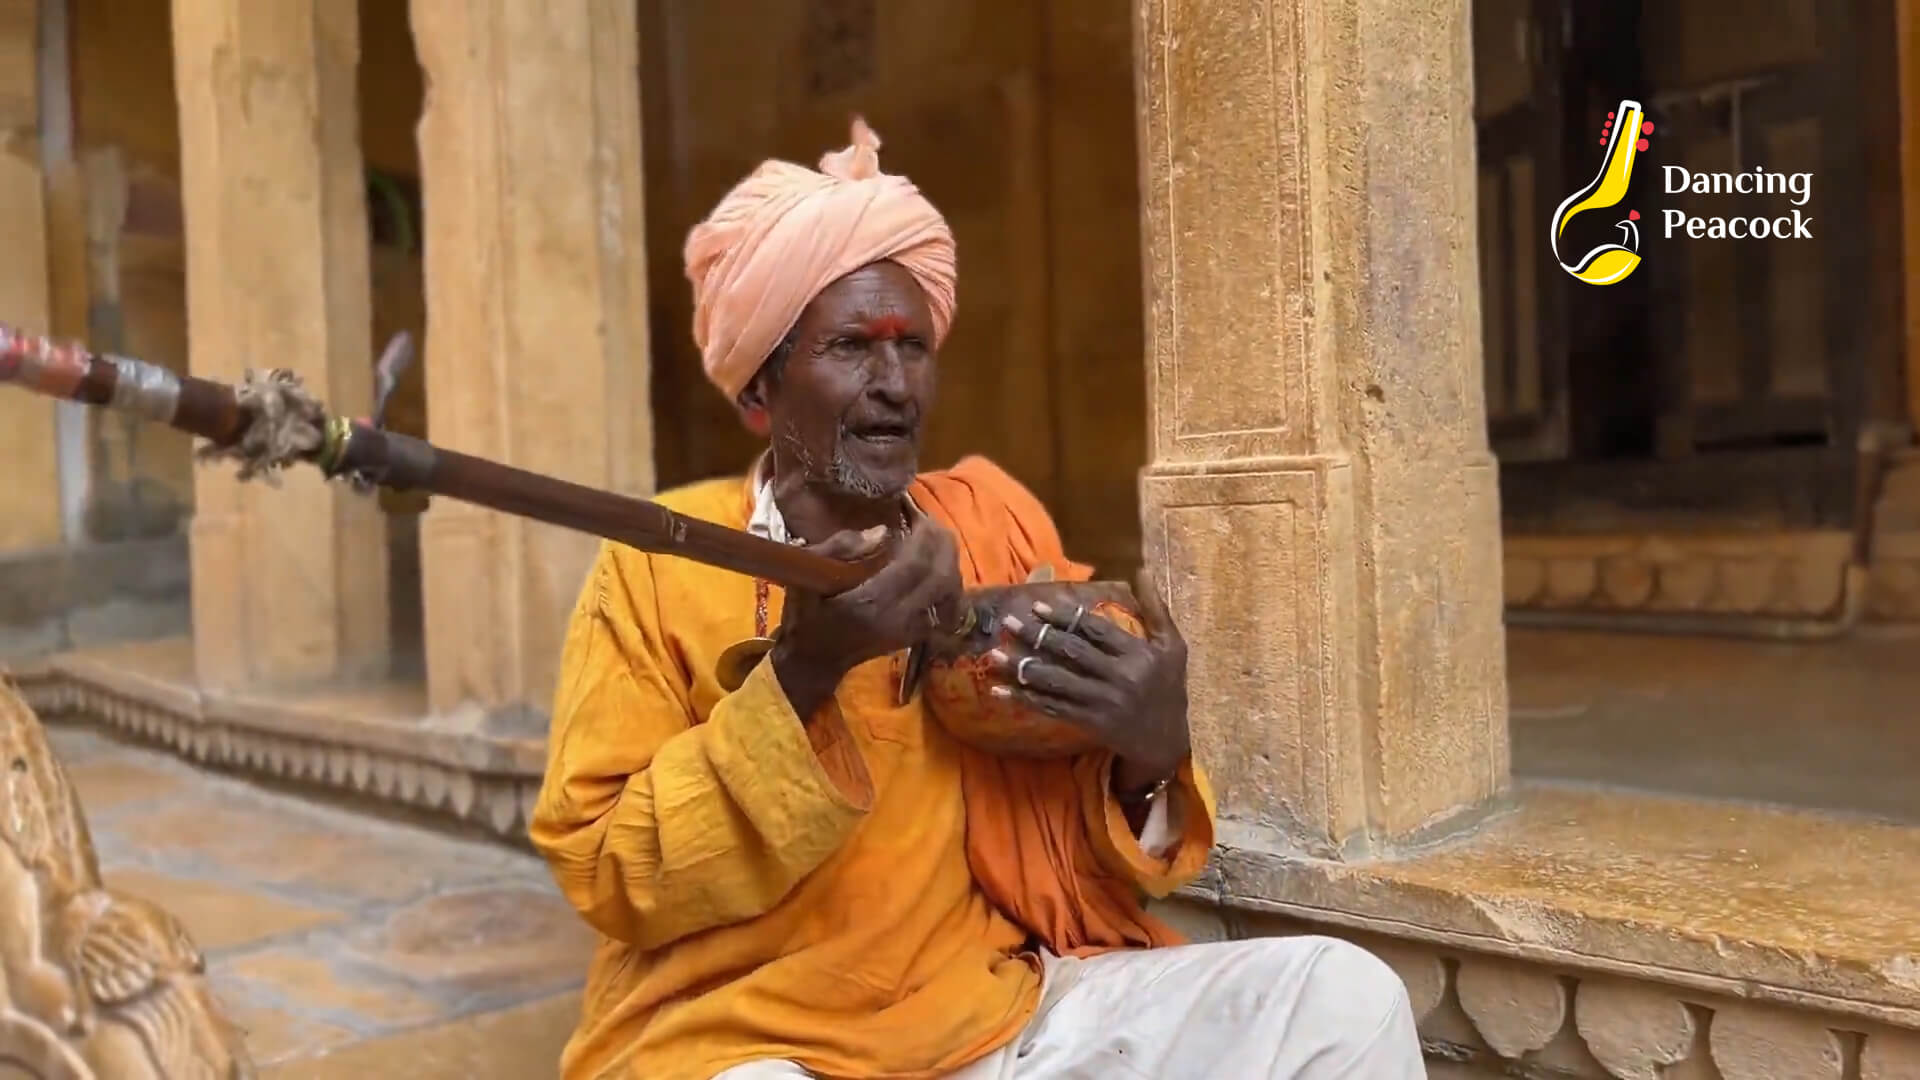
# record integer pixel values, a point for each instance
(799, 877)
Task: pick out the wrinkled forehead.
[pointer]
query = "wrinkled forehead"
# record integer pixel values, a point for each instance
(879, 291)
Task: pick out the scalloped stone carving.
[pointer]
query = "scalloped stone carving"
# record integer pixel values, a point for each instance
(1571, 581)
(1421, 969)
(1634, 1029)
(1518, 1009)
(1891, 1055)
(1752, 1043)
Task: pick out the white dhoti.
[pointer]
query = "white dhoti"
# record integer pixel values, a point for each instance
(1292, 1008)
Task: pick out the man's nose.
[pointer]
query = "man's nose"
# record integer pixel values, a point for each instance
(887, 374)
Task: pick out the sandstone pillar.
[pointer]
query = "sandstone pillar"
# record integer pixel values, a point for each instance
(30, 515)
(1320, 493)
(536, 316)
(289, 586)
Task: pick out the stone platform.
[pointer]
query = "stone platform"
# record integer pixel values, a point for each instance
(343, 944)
(1614, 918)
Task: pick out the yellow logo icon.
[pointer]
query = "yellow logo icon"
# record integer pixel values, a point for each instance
(1624, 135)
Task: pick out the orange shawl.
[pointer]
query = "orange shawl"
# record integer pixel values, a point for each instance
(1032, 825)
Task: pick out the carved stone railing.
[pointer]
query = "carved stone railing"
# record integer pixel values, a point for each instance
(489, 781)
(1782, 575)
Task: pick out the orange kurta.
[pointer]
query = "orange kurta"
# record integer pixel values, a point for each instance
(768, 889)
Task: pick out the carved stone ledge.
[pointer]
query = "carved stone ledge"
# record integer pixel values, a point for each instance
(1515, 1017)
(462, 777)
(1778, 574)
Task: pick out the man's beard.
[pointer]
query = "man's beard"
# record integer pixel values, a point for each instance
(840, 475)
(848, 479)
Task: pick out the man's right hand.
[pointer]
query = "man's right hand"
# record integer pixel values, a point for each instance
(824, 637)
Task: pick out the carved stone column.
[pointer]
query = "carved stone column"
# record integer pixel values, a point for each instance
(536, 316)
(289, 586)
(30, 507)
(1320, 495)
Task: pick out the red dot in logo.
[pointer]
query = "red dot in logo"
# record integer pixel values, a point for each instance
(1609, 115)
(1646, 128)
(1603, 142)
(1641, 145)
(1633, 215)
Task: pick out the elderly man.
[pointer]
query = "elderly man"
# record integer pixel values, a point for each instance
(795, 876)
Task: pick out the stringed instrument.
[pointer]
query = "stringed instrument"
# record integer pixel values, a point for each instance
(271, 421)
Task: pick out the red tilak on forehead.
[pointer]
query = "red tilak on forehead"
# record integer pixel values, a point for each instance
(884, 328)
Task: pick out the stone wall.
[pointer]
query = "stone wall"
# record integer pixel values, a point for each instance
(59, 598)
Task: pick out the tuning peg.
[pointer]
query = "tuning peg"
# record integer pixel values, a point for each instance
(393, 363)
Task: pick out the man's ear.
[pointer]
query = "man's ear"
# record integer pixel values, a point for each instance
(755, 411)
(755, 395)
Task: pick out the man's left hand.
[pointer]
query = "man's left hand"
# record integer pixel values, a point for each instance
(1129, 692)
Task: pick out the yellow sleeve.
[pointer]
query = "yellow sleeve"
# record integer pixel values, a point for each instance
(657, 825)
(1120, 851)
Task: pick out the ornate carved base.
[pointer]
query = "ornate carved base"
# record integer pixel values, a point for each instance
(94, 985)
(1508, 1017)
(485, 780)
(1787, 575)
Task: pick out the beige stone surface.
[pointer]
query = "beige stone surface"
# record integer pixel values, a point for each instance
(535, 942)
(30, 499)
(1793, 908)
(116, 782)
(324, 984)
(291, 851)
(278, 1035)
(1823, 725)
(536, 291)
(1321, 496)
(514, 1044)
(342, 944)
(218, 916)
(288, 585)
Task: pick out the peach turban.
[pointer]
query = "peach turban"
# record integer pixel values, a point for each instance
(787, 232)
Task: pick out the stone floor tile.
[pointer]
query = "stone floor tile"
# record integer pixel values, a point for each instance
(276, 1037)
(108, 782)
(219, 916)
(325, 989)
(253, 841)
(342, 944)
(522, 1043)
(482, 940)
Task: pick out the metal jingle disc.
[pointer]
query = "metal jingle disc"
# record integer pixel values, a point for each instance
(739, 660)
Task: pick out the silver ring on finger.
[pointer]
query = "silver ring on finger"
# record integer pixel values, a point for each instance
(1040, 639)
(1073, 624)
(1020, 670)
